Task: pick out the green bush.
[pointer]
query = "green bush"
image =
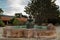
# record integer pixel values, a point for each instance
(2, 23)
(11, 21)
(16, 22)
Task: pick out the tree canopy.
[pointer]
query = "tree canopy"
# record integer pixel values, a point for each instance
(42, 9)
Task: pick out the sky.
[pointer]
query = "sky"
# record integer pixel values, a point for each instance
(10, 7)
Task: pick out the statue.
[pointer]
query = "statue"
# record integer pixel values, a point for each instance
(30, 23)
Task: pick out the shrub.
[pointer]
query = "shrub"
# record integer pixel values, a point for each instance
(16, 22)
(2, 23)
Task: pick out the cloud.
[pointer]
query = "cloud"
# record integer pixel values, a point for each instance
(25, 2)
(13, 10)
(16, 6)
(58, 2)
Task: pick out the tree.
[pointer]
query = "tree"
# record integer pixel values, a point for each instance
(1, 22)
(42, 10)
(18, 15)
(1, 11)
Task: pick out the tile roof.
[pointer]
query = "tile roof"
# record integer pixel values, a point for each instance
(8, 18)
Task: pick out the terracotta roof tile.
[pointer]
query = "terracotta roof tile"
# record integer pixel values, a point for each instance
(22, 19)
(6, 18)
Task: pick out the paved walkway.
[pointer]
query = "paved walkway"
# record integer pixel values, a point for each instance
(58, 32)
